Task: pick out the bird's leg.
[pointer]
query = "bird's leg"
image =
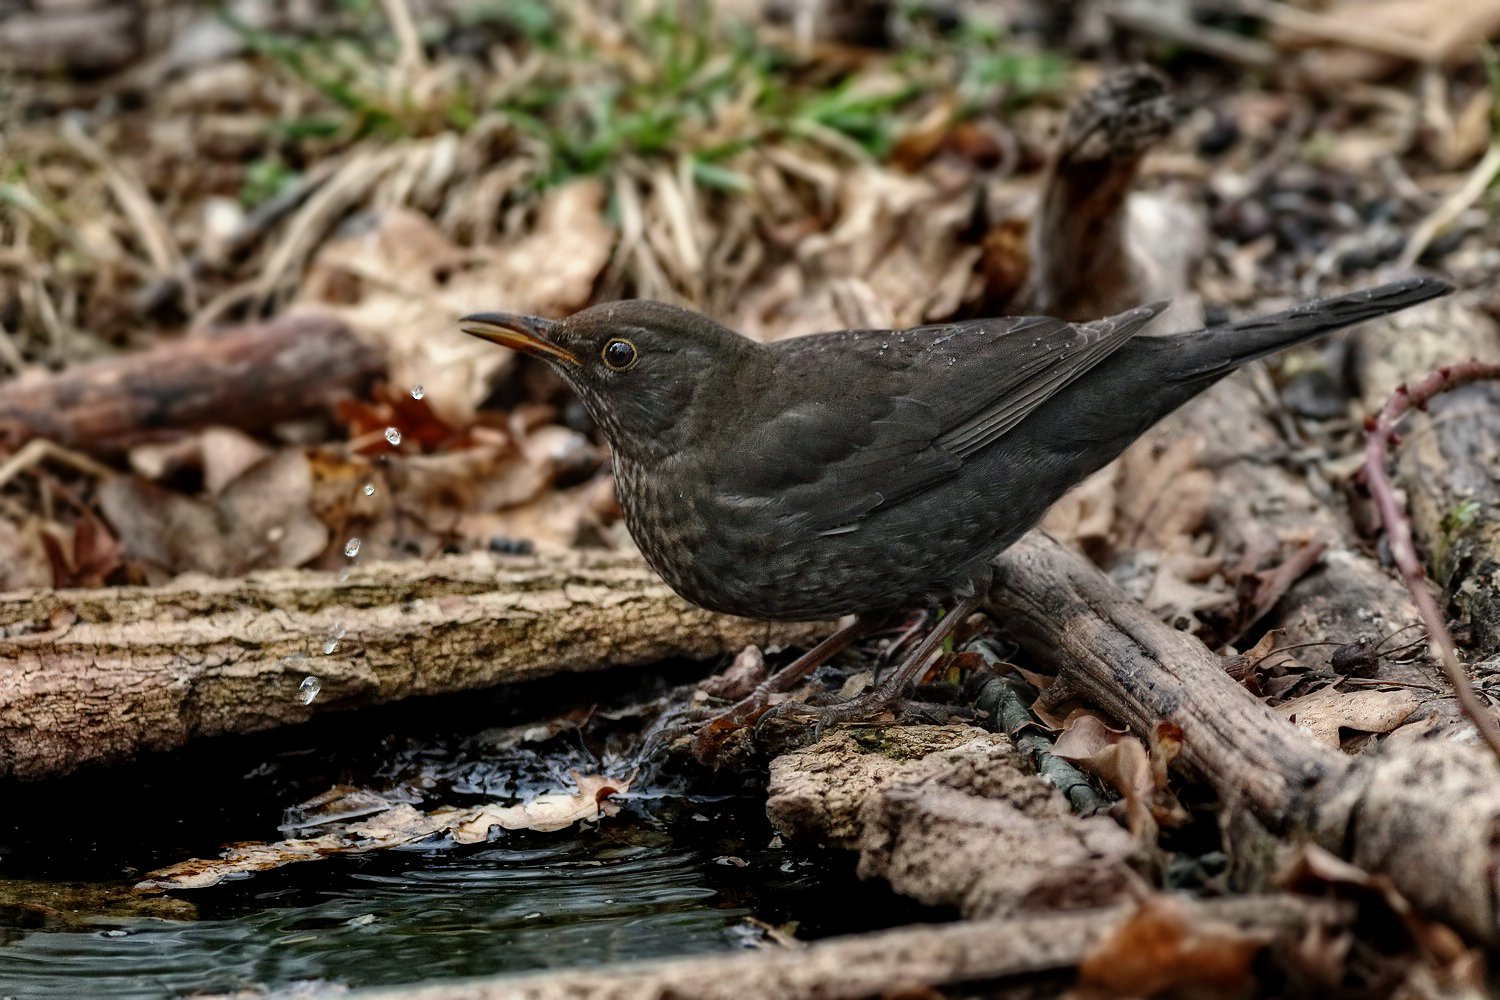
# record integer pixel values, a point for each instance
(919, 625)
(750, 707)
(895, 685)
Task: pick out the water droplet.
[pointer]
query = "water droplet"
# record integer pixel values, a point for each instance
(392, 435)
(344, 575)
(532, 916)
(338, 631)
(369, 489)
(351, 548)
(330, 647)
(309, 689)
(416, 392)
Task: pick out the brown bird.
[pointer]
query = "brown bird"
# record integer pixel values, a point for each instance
(855, 471)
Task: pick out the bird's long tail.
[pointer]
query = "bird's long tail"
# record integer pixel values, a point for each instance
(1208, 355)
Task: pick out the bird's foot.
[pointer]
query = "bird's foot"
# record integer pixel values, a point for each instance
(777, 723)
(708, 746)
(873, 703)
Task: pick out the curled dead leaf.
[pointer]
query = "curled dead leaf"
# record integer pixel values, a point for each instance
(261, 520)
(1323, 713)
(1163, 949)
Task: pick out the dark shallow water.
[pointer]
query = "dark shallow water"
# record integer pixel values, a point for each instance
(682, 870)
(390, 919)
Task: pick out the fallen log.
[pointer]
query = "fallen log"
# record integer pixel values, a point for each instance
(1377, 811)
(889, 963)
(249, 377)
(91, 677)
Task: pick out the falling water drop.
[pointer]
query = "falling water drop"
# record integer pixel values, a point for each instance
(369, 489)
(392, 435)
(309, 689)
(330, 647)
(416, 392)
(351, 548)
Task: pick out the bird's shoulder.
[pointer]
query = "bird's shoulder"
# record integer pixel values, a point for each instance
(859, 419)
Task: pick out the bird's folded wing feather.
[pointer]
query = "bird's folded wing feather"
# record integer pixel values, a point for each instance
(832, 460)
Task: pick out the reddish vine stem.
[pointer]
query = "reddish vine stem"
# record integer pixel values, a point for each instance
(1378, 434)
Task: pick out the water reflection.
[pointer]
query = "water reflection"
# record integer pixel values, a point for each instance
(398, 918)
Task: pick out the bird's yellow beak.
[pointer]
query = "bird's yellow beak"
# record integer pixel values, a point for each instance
(527, 334)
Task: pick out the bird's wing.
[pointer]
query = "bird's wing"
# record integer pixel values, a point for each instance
(832, 457)
(1039, 361)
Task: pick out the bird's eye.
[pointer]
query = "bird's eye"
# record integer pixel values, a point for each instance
(619, 354)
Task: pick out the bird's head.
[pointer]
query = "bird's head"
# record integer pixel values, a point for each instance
(638, 366)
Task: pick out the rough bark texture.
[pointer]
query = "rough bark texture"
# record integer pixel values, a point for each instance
(951, 816)
(1082, 265)
(96, 676)
(247, 377)
(1424, 813)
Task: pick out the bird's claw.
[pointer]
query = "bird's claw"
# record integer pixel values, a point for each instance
(820, 717)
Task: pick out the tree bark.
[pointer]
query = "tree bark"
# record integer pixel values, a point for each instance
(90, 677)
(1421, 812)
(248, 377)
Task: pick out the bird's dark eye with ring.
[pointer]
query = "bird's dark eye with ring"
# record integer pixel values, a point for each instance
(619, 354)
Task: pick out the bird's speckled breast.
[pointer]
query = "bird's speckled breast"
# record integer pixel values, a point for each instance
(763, 564)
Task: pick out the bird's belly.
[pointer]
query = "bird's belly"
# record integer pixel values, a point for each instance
(760, 563)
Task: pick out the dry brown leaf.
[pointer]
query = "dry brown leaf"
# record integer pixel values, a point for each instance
(23, 557)
(892, 258)
(1182, 585)
(404, 285)
(547, 812)
(557, 519)
(1445, 31)
(1163, 948)
(1123, 761)
(222, 453)
(262, 520)
(83, 554)
(238, 859)
(227, 455)
(393, 827)
(1085, 516)
(1314, 871)
(1164, 495)
(1323, 713)
(740, 678)
(1126, 767)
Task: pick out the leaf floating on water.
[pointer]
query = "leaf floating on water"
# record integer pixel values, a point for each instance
(392, 827)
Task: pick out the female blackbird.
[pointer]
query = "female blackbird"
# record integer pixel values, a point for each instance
(854, 471)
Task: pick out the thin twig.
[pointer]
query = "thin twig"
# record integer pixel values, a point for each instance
(39, 450)
(1448, 212)
(10, 354)
(1398, 528)
(410, 59)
